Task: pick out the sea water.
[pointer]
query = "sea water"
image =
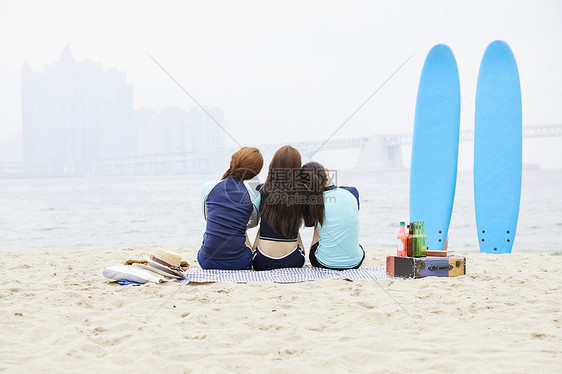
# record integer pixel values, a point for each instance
(130, 211)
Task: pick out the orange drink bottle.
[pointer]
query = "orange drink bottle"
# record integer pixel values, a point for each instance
(402, 250)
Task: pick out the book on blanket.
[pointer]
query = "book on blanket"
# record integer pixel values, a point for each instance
(131, 273)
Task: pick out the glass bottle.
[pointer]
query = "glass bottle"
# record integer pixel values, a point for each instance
(416, 241)
(402, 248)
(423, 236)
(410, 239)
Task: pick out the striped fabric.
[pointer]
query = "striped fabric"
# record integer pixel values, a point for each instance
(287, 275)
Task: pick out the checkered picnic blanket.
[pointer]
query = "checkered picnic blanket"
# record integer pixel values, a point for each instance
(286, 275)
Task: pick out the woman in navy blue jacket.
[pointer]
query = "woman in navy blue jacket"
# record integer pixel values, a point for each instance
(228, 208)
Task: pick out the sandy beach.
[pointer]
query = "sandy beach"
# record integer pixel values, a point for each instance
(60, 315)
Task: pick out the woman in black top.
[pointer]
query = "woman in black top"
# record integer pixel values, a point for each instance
(278, 243)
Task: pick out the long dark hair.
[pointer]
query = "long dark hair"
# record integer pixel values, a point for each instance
(282, 208)
(313, 177)
(245, 164)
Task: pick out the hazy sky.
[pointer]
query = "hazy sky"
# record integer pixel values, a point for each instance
(290, 70)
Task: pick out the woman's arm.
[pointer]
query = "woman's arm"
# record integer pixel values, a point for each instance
(256, 242)
(315, 236)
(247, 242)
(254, 218)
(299, 241)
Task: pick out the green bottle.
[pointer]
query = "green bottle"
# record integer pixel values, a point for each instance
(423, 249)
(416, 242)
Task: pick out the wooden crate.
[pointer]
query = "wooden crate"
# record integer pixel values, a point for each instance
(420, 267)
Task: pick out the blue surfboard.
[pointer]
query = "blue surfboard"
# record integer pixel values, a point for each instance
(497, 149)
(435, 147)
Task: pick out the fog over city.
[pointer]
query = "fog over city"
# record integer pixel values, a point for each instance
(268, 72)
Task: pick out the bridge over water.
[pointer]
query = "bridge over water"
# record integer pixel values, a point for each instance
(377, 151)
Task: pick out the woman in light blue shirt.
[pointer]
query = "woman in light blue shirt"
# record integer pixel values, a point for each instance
(334, 213)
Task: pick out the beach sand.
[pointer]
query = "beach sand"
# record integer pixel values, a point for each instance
(60, 315)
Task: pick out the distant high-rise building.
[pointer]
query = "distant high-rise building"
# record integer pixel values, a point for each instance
(173, 130)
(204, 131)
(74, 113)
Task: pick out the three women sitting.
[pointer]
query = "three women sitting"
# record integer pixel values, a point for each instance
(290, 196)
